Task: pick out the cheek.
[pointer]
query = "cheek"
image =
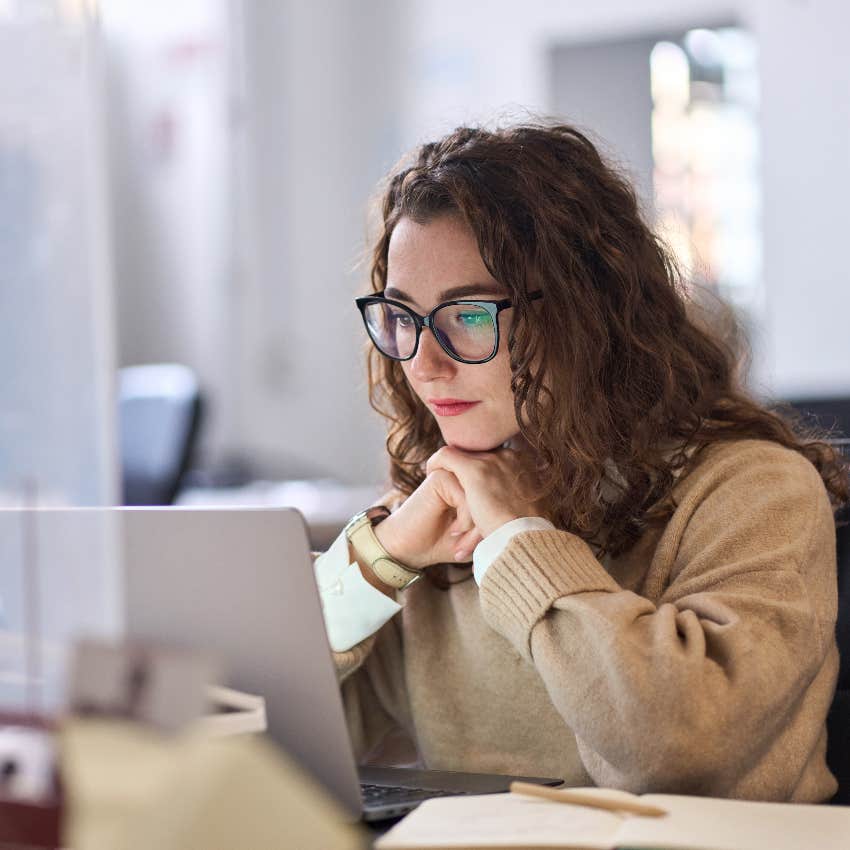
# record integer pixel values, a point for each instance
(502, 376)
(495, 387)
(491, 380)
(506, 396)
(408, 377)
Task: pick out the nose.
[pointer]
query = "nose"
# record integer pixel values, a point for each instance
(431, 362)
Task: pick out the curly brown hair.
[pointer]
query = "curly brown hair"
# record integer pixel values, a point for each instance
(614, 370)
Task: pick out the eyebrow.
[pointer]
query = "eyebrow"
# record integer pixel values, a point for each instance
(451, 294)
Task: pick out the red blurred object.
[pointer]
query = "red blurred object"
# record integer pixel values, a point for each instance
(28, 823)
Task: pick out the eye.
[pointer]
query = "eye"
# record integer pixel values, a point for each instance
(474, 319)
(403, 320)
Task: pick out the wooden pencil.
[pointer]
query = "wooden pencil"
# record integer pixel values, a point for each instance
(567, 795)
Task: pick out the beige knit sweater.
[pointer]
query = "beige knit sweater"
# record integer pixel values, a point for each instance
(701, 662)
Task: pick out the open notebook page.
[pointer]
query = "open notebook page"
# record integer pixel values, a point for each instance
(502, 820)
(707, 822)
(513, 821)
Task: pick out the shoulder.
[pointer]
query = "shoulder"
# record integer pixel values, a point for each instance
(753, 491)
(753, 465)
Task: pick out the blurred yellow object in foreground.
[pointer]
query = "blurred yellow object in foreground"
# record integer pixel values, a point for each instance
(130, 788)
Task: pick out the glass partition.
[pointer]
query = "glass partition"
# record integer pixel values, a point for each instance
(56, 345)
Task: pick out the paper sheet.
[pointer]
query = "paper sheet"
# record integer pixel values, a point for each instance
(693, 823)
(502, 820)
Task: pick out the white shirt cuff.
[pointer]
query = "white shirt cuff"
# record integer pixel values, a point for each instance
(492, 545)
(353, 608)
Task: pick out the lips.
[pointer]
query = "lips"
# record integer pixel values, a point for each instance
(450, 406)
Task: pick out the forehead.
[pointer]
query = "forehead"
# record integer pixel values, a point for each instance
(426, 260)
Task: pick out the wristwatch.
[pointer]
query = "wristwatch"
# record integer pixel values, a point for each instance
(361, 536)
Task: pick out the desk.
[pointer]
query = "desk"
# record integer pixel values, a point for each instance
(327, 505)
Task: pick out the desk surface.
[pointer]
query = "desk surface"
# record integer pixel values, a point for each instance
(325, 504)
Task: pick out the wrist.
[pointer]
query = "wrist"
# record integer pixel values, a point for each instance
(371, 554)
(495, 523)
(387, 533)
(384, 532)
(369, 574)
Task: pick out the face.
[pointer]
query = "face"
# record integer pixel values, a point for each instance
(426, 265)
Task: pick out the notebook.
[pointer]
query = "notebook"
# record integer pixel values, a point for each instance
(698, 823)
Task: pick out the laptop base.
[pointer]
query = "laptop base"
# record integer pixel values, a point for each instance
(406, 787)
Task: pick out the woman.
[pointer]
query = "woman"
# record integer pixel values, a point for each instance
(652, 594)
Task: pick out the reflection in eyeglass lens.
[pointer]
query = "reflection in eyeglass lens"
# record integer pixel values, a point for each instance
(469, 330)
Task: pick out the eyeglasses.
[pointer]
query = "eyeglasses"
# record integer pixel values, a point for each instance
(468, 331)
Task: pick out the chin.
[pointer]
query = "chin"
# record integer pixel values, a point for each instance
(475, 442)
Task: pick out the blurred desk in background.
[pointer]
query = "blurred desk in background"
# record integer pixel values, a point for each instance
(327, 505)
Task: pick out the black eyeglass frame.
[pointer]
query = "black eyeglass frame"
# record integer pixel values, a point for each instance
(420, 322)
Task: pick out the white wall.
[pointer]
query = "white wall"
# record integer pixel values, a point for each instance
(806, 155)
(605, 88)
(323, 88)
(171, 139)
(246, 140)
(479, 60)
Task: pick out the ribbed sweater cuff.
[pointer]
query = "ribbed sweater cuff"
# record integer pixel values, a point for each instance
(535, 569)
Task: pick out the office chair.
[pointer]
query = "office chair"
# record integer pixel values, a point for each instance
(838, 721)
(829, 414)
(159, 413)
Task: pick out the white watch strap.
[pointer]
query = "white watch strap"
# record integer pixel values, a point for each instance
(362, 536)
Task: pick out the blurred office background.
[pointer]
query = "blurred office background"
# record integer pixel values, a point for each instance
(187, 183)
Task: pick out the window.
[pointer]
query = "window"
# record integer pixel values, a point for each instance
(705, 149)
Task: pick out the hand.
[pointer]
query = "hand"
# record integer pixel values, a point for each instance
(432, 526)
(494, 484)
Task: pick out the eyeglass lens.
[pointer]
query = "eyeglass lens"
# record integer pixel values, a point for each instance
(467, 331)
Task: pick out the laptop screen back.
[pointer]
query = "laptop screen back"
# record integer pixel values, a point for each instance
(238, 583)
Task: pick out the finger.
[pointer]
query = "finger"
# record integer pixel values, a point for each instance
(462, 523)
(452, 493)
(466, 544)
(447, 487)
(434, 462)
(472, 538)
(448, 458)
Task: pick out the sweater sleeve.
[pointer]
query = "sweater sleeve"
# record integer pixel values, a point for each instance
(684, 695)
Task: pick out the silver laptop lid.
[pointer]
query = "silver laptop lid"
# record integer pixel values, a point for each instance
(238, 583)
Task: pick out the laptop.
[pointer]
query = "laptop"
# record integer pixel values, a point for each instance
(239, 584)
